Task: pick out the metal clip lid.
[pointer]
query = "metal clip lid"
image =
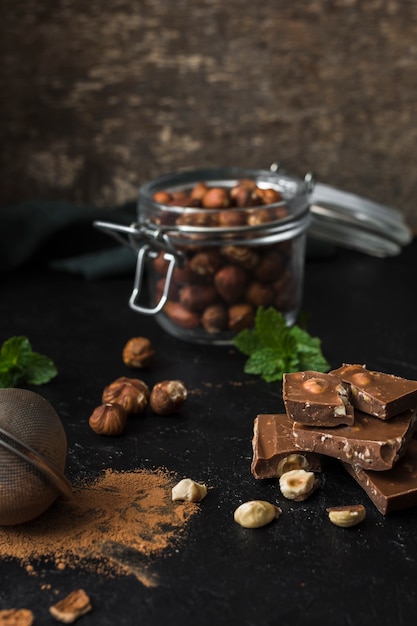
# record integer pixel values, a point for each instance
(358, 223)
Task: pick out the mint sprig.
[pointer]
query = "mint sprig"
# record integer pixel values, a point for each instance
(19, 365)
(274, 348)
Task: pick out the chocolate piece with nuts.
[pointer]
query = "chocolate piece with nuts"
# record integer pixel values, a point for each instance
(395, 489)
(317, 399)
(370, 443)
(376, 393)
(274, 448)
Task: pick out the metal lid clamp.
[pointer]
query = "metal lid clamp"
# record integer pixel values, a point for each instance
(148, 241)
(354, 222)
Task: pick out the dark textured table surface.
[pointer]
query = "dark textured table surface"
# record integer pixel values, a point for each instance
(298, 570)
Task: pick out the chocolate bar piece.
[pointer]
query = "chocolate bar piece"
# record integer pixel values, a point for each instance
(273, 447)
(395, 489)
(376, 393)
(370, 443)
(317, 399)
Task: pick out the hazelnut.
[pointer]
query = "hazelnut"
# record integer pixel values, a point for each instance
(291, 462)
(242, 255)
(256, 513)
(206, 262)
(215, 319)
(167, 397)
(270, 266)
(198, 191)
(197, 297)
(230, 282)
(315, 385)
(181, 316)
(108, 419)
(270, 195)
(347, 516)
(138, 352)
(216, 198)
(230, 218)
(73, 606)
(131, 393)
(259, 294)
(162, 197)
(241, 316)
(188, 490)
(297, 484)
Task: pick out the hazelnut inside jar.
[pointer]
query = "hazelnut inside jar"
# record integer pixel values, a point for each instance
(229, 241)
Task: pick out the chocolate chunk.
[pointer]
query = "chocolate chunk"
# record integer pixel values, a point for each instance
(274, 447)
(370, 443)
(395, 489)
(376, 393)
(317, 399)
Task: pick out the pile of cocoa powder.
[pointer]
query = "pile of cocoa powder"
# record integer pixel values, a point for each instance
(110, 525)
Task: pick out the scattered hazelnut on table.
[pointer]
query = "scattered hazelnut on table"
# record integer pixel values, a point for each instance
(73, 606)
(256, 513)
(188, 490)
(108, 419)
(167, 397)
(131, 393)
(138, 353)
(297, 484)
(18, 617)
(347, 516)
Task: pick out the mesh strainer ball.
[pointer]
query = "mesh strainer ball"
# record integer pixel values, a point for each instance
(33, 449)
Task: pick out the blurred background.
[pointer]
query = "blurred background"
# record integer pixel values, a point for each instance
(98, 97)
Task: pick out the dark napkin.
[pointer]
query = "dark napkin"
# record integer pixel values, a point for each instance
(63, 237)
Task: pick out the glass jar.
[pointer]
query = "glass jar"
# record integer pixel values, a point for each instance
(208, 268)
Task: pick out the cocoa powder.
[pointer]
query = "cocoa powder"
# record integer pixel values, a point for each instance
(112, 525)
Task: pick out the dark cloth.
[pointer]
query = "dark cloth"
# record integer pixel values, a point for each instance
(63, 237)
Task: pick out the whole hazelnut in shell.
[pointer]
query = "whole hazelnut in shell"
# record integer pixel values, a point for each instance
(131, 393)
(138, 353)
(108, 419)
(168, 397)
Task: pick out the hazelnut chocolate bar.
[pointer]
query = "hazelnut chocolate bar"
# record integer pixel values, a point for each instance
(317, 399)
(370, 443)
(395, 489)
(376, 393)
(274, 447)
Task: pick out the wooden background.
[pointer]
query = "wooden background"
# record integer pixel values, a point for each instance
(100, 96)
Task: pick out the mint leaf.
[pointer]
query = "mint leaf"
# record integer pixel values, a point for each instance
(269, 327)
(40, 369)
(20, 365)
(274, 348)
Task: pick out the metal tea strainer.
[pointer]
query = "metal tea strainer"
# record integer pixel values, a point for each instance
(33, 449)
